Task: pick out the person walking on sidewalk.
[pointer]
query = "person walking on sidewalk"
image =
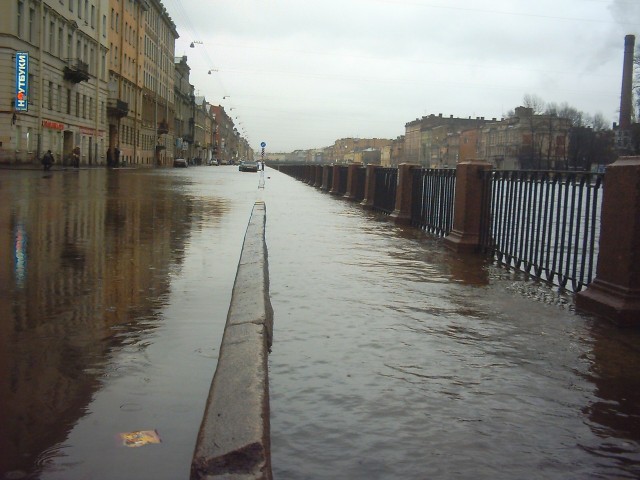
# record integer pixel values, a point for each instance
(75, 157)
(47, 160)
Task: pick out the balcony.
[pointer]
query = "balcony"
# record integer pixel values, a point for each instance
(117, 108)
(163, 127)
(76, 70)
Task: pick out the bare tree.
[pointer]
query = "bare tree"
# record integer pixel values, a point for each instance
(534, 102)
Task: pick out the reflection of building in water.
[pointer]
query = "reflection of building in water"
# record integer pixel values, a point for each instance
(86, 255)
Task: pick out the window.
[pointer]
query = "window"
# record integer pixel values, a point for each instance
(69, 46)
(52, 37)
(60, 36)
(78, 104)
(68, 101)
(20, 17)
(32, 19)
(71, 5)
(93, 16)
(79, 8)
(60, 98)
(84, 106)
(104, 26)
(50, 99)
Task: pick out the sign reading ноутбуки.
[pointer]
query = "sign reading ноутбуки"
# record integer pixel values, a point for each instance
(22, 82)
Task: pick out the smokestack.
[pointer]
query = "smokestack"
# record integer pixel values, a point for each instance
(627, 79)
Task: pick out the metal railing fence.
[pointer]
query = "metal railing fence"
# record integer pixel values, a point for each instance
(544, 223)
(386, 183)
(433, 198)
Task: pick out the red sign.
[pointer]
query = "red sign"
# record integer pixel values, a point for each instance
(53, 125)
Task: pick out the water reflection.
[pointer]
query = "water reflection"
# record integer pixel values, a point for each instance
(85, 266)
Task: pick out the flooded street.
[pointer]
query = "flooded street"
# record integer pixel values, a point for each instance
(115, 291)
(392, 357)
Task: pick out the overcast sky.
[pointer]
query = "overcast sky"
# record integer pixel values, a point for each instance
(300, 74)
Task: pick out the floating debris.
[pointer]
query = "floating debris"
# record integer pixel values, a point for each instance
(139, 438)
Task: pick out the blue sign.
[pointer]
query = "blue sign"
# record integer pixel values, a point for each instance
(263, 144)
(22, 82)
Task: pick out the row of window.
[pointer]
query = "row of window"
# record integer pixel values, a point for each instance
(64, 100)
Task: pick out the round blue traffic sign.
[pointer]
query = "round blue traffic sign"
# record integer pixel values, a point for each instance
(263, 144)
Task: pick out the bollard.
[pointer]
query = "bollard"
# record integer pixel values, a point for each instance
(615, 292)
(234, 440)
(466, 232)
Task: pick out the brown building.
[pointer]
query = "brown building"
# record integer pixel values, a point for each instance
(126, 29)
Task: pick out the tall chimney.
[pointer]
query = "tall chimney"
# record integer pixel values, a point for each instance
(627, 83)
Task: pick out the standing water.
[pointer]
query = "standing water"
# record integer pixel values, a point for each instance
(394, 358)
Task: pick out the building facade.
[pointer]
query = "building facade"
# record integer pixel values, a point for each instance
(54, 86)
(156, 136)
(185, 105)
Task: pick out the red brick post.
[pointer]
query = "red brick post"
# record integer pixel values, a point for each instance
(335, 183)
(352, 178)
(401, 215)
(615, 292)
(369, 187)
(326, 171)
(465, 234)
(318, 173)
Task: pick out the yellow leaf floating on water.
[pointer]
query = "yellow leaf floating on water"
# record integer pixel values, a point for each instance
(139, 438)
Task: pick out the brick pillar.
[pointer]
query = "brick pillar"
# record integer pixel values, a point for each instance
(401, 215)
(352, 188)
(335, 184)
(465, 234)
(615, 292)
(318, 173)
(370, 187)
(326, 170)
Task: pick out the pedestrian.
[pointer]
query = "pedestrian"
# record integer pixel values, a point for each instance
(75, 156)
(117, 156)
(47, 160)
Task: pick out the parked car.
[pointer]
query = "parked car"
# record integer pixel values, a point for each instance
(181, 163)
(247, 167)
(214, 161)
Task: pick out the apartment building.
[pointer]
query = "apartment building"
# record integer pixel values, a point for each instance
(126, 30)
(155, 137)
(54, 81)
(223, 137)
(185, 105)
(525, 141)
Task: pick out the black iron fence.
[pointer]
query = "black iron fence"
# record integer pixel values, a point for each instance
(386, 183)
(341, 187)
(544, 223)
(433, 192)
